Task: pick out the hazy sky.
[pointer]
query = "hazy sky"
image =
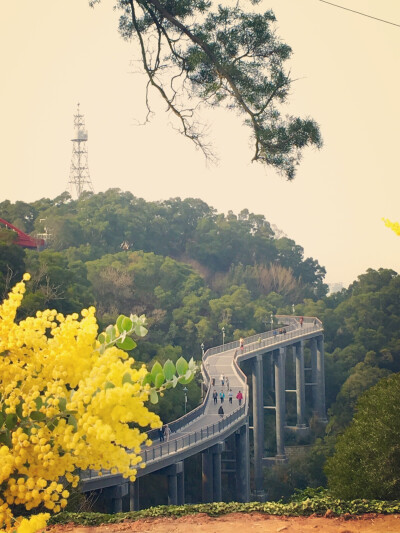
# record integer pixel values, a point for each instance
(55, 53)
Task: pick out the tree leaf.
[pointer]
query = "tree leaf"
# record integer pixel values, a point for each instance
(153, 396)
(62, 404)
(126, 378)
(140, 330)
(147, 379)
(169, 369)
(11, 421)
(119, 322)
(127, 344)
(38, 402)
(127, 324)
(159, 380)
(109, 385)
(71, 420)
(38, 416)
(157, 368)
(111, 332)
(181, 366)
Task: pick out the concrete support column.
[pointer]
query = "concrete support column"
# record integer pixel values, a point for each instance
(313, 350)
(300, 384)
(207, 477)
(116, 494)
(280, 409)
(172, 472)
(217, 482)
(181, 486)
(172, 489)
(258, 421)
(242, 464)
(321, 410)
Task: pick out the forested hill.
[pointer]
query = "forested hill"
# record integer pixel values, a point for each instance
(193, 272)
(187, 230)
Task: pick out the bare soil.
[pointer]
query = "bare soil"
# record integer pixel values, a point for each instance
(246, 523)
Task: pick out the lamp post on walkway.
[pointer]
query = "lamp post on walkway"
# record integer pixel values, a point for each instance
(223, 336)
(185, 393)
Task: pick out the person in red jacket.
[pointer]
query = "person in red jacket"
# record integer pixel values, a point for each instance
(239, 396)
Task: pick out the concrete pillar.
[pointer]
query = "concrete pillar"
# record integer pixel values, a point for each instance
(181, 486)
(321, 410)
(300, 384)
(207, 477)
(217, 482)
(242, 464)
(172, 472)
(258, 421)
(313, 350)
(134, 495)
(116, 494)
(172, 489)
(280, 409)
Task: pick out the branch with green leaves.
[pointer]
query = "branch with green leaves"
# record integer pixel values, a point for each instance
(160, 377)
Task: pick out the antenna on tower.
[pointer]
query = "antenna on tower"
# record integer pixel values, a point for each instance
(79, 178)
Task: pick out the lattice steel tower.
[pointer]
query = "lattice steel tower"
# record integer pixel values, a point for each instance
(79, 178)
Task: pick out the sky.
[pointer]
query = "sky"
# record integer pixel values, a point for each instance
(56, 53)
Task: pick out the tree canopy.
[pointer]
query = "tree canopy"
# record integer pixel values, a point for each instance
(366, 463)
(195, 55)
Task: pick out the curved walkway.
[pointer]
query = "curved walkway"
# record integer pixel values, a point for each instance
(202, 427)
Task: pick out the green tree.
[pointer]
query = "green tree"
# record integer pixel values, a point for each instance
(366, 462)
(224, 56)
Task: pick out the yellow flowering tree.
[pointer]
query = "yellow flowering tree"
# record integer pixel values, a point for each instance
(395, 226)
(70, 399)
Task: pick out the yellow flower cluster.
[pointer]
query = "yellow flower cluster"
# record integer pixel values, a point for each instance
(64, 406)
(395, 226)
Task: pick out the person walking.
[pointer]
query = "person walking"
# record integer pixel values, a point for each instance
(167, 432)
(227, 383)
(221, 378)
(230, 396)
(239, 396)
(241, 343)
(161, 434)
(221, 411)
(222, 396)
(215, 396)
(301, 321)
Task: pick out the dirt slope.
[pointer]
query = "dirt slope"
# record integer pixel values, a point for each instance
(244, 523)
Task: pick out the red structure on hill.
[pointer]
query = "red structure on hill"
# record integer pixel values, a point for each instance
(24, 240)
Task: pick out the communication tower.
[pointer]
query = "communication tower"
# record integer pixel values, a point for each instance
(79, 178)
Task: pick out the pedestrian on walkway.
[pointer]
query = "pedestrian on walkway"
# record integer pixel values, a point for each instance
(215, 396)
(222, 378)
(167, 432)
(161, 434)
(222, 396)
(239, 396)
(230, 396)
(241, 343)
(213, 382)
(221, 411)
(227, 383)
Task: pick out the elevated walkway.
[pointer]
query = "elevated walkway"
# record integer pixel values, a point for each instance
(203, 428)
